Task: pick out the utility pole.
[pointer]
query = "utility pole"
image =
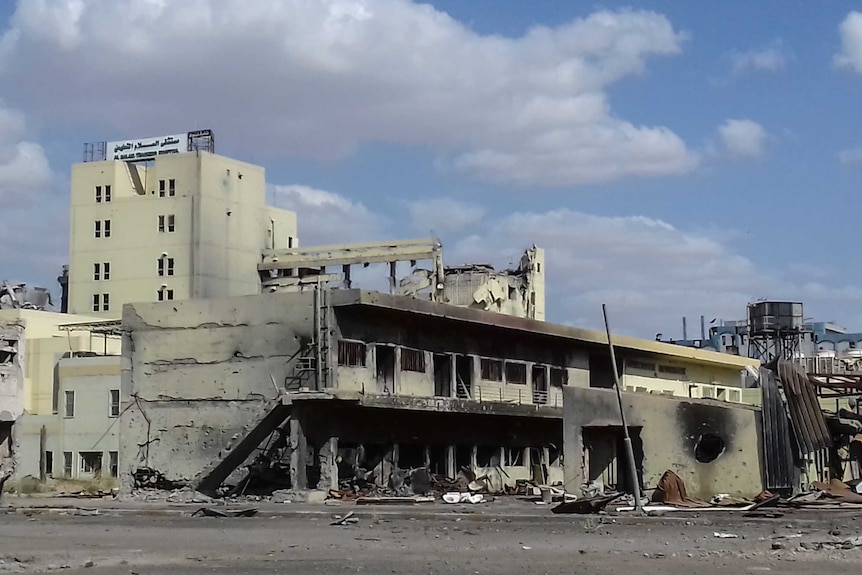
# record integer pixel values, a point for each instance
(630, 454)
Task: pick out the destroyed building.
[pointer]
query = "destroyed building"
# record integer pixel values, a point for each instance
(11, 394)
(319, 388)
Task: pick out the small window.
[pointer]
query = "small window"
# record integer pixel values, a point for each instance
(97, 272)
(516, 373)
(170, 270)
(172, 187)
(98, 194)
(106, 302)
(114, 406)
(351, 353)
(492, 369)
(641, 365)
(107, 193)
(69, 410)
(106, 271)
(169, 295)
(49, 463)
(98, 229)
(171, 223)
(161, 188)
(107, 226)
(67, 464)
(559, 377)
(114, 462)
(160, 295)
(161, 265)
(95, 302)
(161, 223)
(671, 369)
(166, 294)
(412, 360)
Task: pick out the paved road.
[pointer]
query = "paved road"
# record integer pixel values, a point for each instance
(461, 544)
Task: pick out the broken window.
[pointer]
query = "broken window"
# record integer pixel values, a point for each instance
(487, 456)
(559, 377)
(67, 464)
(411, 456)
(516, 373)
(114, 462)
(555, 456)
(70, 404)
(351, 353)
(91, 462)
(98, 194)
(492, 369)
(172, 187)
(514, 456)
(412, 360)
(114, 406)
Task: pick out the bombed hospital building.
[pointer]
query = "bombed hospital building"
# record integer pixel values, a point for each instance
(316, 388)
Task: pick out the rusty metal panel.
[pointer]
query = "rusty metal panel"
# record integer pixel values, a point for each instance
(809, 425)
(778, 444)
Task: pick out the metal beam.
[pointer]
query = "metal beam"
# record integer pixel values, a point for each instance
(370, 253)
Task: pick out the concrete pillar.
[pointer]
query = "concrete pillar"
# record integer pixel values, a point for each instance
(298, 452)
(327, 457)
(450, 461)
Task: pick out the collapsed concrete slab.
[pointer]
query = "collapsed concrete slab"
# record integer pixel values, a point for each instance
(11, 393)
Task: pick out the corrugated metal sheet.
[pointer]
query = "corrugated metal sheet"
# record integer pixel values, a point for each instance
(780, 470)
(809, 425)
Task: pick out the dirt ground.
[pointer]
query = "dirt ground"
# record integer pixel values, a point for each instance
(444, 542)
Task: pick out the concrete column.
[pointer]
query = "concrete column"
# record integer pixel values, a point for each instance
(328, 464)
(450, 461)
(298, 452)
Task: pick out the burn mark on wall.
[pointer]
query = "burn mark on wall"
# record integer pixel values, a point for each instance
(707, 430)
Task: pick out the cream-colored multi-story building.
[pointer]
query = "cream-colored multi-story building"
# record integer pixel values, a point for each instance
(182, 226)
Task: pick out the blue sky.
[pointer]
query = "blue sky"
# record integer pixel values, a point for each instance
(675, 158)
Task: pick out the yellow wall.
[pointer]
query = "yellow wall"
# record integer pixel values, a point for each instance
(221, 226)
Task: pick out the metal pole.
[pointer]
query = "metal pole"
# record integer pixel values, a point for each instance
(630, 454)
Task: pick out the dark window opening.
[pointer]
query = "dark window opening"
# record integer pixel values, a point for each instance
(672, 369)
(161, 223)
(492, 369)
(107, 226)
(601, 371)
(411, 456)
(49, 463)
(555, 456)
(487, 456)
(516, 373)
(437, 459)
(464, 377)
(442, 375)
(514, 456)
(605, 454)
(114, 462)
(172, 187)
(161, 188)
(98, 229)
(385, 356)
(463, 457)
(540, 385)
(708, 448)
(67, 464)
(98, 194)
(107, 193)
(114, 407)
(171, 223)
(96, 275)
(351, 353)
(412, 360)
(91, 462)
(559, 377)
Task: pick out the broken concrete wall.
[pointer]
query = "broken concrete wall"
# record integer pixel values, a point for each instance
(11, 391)
(713, 447)
(198, 374)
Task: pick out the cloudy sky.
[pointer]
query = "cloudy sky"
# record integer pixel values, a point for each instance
(678, 158)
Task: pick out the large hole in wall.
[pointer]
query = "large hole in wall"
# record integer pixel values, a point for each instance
(708, 448)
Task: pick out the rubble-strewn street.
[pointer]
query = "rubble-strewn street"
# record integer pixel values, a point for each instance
(493, 541)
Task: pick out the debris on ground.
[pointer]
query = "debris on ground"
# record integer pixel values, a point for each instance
(721, 535)
(585, 506)
(210, 512)
(346, 520)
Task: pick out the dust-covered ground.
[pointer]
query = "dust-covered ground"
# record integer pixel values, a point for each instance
(444, 542)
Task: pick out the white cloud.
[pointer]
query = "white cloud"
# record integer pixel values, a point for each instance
(850, 156)
(317, 79)
(850, 31)
(325, 218)
(770, 58)
(24, 170)
(443, 215)
(742, 138)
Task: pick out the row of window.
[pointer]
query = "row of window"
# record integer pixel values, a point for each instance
(353, 354)
(166, 223)
(661, 368)
(102, 228)
(100, 196)
(90, 463)
(102, 271)
(113, 404)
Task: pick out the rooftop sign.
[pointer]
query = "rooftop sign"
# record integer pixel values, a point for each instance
(147, 149)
